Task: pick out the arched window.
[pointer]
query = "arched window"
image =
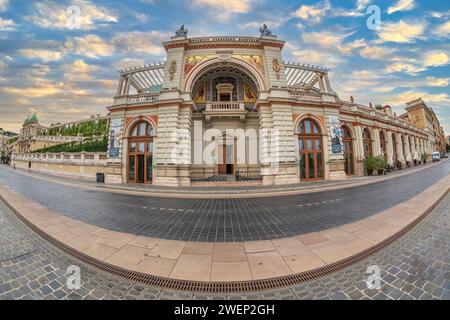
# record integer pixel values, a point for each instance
(142, 129)
(383, 145)
(367, 143)
(347, 141)
(310, 150)
(140, 153)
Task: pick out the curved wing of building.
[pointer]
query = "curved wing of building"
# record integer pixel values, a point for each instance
(229, 108)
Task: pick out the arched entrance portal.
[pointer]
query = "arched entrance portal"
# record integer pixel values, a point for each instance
(311, 150)
(140, 153)
(224, 96)
(347, 140)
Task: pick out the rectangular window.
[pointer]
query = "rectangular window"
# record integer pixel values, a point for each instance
(133, 147)
(131, 165)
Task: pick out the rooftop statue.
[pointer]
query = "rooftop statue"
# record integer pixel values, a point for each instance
(265, 31)
(182, 32)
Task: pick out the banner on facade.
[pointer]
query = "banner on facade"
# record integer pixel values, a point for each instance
(115, 129)
(336, 134)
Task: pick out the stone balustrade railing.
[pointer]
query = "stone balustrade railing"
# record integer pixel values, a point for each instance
(57, 139)
(137, 98)
(361, 109)
(219, 106)
(82, 158)
(143, 97)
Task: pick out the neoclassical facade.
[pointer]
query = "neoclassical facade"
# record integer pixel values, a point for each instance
(229, 108)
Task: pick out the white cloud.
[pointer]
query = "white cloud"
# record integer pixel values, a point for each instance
(436, 59)
(334, 40)
(4, 5)
(91, 46)
(313, 13)
(319, 57)
(403, 97)
(51, 15)
(425, 61)
(402, 5)
(78, 71)
(141, 42)
(7, 25)
(437, 82)
(41, 54)
(376, 53)
(223, 10)
(362, 4)
(128, 63)
(443, 30)
(401, 32)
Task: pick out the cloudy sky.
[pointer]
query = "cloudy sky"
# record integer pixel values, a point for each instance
(65, 68)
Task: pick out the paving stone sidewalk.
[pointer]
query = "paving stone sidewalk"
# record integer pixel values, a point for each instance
(417, 266)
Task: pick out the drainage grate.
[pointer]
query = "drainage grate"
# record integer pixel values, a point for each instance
(223, 287)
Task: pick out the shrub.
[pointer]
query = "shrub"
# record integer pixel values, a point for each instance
(73, 147)
(374, 163)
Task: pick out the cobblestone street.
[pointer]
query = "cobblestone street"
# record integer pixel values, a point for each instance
(223, 220)
(416, 266)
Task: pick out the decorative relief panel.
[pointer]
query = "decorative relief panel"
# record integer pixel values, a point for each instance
(191, 61)
(256, 61)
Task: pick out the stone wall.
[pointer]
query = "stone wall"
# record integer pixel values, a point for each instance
(82, 166)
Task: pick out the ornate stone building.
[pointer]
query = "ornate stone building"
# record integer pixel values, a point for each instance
(235, 101)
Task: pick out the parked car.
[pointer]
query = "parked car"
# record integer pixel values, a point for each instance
(436, 156)
(445, 155)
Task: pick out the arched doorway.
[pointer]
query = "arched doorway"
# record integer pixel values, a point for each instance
(367, 143)
(311, 150)
(383, 145)
(140, 153)
(347, 141)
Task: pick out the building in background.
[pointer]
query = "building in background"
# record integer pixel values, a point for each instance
(34, 136)
(424, 117)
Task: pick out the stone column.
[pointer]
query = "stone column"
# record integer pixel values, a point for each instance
(376, 143)
(400, 156)
(277, 145)
(389, 148)
(408, 155)
(359, 151)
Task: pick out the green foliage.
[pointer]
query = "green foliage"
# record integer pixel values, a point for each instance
(375, 163)
(12, 140)
(89, 145)
(424, 156)
(86, 129)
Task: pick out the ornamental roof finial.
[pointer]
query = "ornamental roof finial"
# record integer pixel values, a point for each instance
(182, 32)
(265, 31)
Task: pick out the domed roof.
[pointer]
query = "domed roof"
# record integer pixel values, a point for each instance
(33, 118)
(30, 119)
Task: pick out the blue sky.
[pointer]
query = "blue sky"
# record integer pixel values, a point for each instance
(65, 68)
